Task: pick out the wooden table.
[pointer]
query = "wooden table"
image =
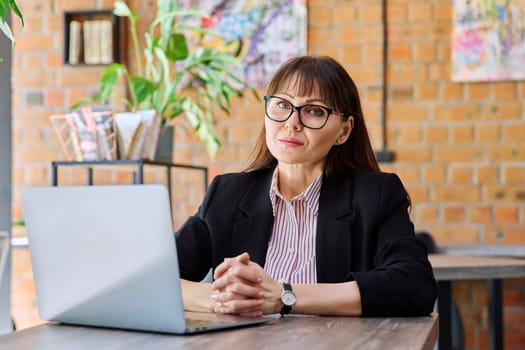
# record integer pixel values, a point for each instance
(291, 332)
(448, 267)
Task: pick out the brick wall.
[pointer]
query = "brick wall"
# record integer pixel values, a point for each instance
(459, 147)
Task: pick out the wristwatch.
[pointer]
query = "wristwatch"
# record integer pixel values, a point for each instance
(287, 298)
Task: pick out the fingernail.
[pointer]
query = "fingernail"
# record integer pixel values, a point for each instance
(214, 296)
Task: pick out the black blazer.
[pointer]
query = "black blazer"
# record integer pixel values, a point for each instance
(364, 233)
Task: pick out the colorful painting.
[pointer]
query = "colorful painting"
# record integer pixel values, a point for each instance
(488, 40)
(262, 34)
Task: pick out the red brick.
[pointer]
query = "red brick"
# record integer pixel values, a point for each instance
(418, 12)
(514, 175)
(441, 30)
(409, 134)
(478, 91)
(370, 14)
(514, 132)
(487, 175)
(412, 154)
(462, 134)
(409, 174)
(456, 112)
(453, 214)
(426, 91)
(344, 15)
(456, 194)
(439, 70)
(409, 72)
(34, 43)
(408, 33)
(480, 215)
(321, 16)
(504, 234)
(443, 11)
(460, 175)
(424, 52)
(504, 90)
(399, 52)
(505, 152)
(407, 113)
(436, 134)
(513, 297)
(458, 153)
(402, 94)
(451, 91)
(455, 234)
(502, 111)
(373, 53)
(505, 215)
(426, 215)
(353, 54)
(397, 13)
(488, 133)
(433, 174)
(503, 193)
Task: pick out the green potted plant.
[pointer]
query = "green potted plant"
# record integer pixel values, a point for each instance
(5, 5)
(172, 76)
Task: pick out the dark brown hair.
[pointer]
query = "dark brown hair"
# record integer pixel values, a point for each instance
(326, 76)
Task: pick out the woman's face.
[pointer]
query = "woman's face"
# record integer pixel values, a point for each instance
(292, 143)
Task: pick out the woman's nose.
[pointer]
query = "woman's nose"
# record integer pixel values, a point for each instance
(294, 122)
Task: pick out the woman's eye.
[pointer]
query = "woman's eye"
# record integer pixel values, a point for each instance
(283, 105)
(316, 112)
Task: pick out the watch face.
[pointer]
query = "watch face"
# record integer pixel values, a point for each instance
(288, 298)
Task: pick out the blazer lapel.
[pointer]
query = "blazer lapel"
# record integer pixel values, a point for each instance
(251, 232)
(333, 238)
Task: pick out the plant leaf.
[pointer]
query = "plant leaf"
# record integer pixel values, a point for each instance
(109, 79)
(141, 88)
(4, 27)
(177, 47)
(16, 10)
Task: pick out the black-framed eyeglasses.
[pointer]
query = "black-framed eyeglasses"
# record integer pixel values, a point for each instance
(311, 116)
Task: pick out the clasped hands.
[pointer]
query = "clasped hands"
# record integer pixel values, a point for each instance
(242, 287)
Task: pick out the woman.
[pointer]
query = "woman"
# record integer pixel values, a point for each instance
(312, 226)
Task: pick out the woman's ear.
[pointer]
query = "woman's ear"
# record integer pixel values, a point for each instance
(348, 125)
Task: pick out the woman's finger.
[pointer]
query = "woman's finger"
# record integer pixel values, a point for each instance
(237, 307)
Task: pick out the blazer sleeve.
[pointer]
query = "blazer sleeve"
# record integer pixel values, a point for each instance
(401, 282)
(194, 243)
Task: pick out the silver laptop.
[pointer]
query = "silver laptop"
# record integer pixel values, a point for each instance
(105, 256)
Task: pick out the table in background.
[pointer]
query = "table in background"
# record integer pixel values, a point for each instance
(291, 332)
(138, 174)
(449, 267)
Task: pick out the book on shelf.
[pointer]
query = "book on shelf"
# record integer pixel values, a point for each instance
(98, 41)
(74, 42)
(106, 41)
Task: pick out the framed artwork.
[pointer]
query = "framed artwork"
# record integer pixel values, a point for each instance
(488, 41)
(261, 34)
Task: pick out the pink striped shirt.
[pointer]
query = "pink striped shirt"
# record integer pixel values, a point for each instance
(291, 249)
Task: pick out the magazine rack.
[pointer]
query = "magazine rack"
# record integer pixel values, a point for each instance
(87, 139)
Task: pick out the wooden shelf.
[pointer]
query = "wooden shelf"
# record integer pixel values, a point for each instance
(92, 38)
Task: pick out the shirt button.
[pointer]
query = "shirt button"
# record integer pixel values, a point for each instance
(291, 250)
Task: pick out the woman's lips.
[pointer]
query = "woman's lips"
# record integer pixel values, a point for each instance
(291, 142)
